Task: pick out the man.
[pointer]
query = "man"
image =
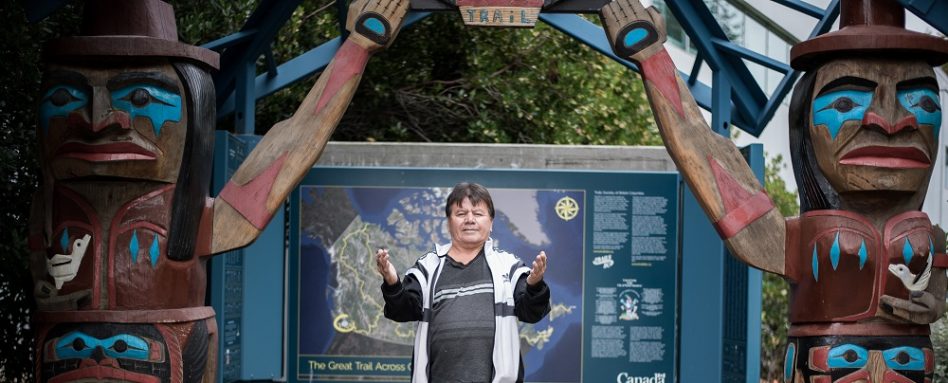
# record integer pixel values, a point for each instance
(466, 297)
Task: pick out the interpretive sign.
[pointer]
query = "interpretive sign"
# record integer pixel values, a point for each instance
(611, 239)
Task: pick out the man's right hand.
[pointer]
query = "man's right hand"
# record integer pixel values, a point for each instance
(386, 268)
(635, 32)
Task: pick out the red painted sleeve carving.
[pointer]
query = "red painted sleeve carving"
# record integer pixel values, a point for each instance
(349, 62)
(250, 199)
(659, 69)
(941, 260)
(741, 207)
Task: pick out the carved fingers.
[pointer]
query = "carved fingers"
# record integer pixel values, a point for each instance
(635, 32)
(377, 21)
(922, 307)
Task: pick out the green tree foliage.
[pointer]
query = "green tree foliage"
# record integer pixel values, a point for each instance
(773, 315)
(19, 88)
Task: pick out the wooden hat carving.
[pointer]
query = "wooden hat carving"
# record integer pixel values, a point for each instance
(131, 28)
(869, 27)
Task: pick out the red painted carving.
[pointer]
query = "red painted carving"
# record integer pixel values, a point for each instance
(890, 377)
(858, 377)
(871, 118)
(120, 151)
(741, 207)
(659, 69)
(819, 359)
(250, 199)
(348, 63)
(929, 361)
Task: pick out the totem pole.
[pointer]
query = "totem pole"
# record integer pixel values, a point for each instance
(123, 225)
(866, 267)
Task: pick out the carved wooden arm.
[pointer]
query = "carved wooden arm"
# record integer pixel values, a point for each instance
(713, 167)
(289, 149)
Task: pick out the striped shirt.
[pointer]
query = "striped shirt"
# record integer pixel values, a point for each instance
(462, 323)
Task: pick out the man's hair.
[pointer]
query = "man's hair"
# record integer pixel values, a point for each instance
(472, 191)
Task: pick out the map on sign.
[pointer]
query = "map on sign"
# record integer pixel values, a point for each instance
(340, 303)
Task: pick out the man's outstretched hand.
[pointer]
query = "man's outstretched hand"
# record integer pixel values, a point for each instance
(386, 268)
(376, 22)
(634, 31)
(539, 268)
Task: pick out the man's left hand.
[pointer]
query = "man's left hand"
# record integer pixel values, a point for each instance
(539, 268)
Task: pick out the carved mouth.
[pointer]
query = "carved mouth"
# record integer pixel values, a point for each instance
(119, 151)
(887, 157)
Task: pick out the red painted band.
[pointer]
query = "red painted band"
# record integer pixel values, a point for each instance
(736, 220)
(821, 379)
(188, 314)
(929, 360)
(348, 63)
(659, 69)
(250, 199)
(892, 377)
(857, 329)
(856, 377)
(500, 3)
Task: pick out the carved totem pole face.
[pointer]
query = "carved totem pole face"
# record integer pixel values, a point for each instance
(874, 124)
(127, 122)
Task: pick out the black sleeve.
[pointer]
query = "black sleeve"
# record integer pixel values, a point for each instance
(531, 303)
(403, 301)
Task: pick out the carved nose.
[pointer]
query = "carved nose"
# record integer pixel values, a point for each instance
(112, 119)
(873, 120)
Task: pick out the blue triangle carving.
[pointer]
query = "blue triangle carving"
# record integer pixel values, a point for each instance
(153, 251)
(64, 241)
(816, 265)
(907, 251)
(834, 252)
(133, 247)
(863, 255)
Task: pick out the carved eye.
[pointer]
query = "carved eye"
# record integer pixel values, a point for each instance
(850, 356)
(120, 346)
(928, 105)
(78, 344)
(903, 358)
(61, 97)
(139, 97)
(843, 104)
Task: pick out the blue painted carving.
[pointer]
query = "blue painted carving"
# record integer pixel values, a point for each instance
(634, 36)
(834, 252)
(834, 109)
(907, 251)
(848, 356)
(924, 104)
(374, 25)
(789, 361)
(154, 103)
(59, 101)
(153, 251)
(863, 255)
(64, 241)
(133, 247)
(904, 358)
(78, 345)
(816, 265)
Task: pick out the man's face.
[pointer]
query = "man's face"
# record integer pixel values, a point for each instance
(874, 124)
(470, 224)
(115, 122)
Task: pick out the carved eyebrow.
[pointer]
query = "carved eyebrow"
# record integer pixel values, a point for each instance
(847, 82)
(60, 76)
(926, 82)
(153, 78)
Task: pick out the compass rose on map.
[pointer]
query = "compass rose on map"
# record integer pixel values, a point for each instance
(566, 208)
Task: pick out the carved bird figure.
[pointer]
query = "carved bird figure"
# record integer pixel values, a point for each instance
(63, 267)
(911, 281)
